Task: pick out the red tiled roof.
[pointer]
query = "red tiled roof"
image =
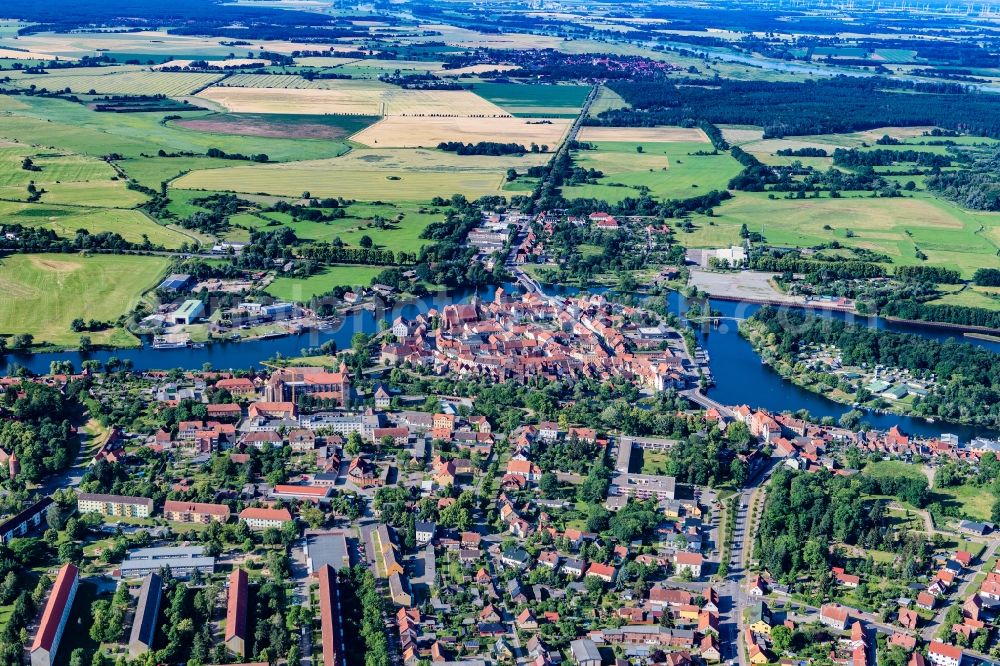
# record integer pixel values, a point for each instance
(265, 514)
(329, 609)
(945, 650)
(55, 607)
(196, 507)
(236, 608)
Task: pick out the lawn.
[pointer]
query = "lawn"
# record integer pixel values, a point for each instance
(893, 468)
(668, 169)
(971, 296)
(401, 235)
(74, 127)
(66, 220)
(974, 501)
(42, 294)
(301, 290)
(948, 235)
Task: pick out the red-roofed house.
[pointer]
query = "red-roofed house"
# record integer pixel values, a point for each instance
(691, 562)
(602, 571)
(905, 641)
(908, 618)
(942, 654)
(261, 519)
(57, 609)
(195, 512)
(845, 579)
(834, 616)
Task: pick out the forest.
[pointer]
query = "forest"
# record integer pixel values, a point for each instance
(834, 105)
(38, 427)
(976, 187)
(805, 513)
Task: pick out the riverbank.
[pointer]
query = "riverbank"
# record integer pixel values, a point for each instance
(805, 379)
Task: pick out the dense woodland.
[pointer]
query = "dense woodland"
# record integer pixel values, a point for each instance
(38, 427)
(806, 513)
(823, 106)
(977, 187)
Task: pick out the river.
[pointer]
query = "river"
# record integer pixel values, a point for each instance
(740, 376)
(742, 379)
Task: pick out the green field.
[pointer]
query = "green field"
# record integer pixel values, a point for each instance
(66, 220)
(534, 98)
(668, 170)
(41, 294)
(295, 289)
(947, 234)
(151, 171)
(606, 100)
(401, 235)
(73, 127)
(970, 296)
(65, 178)
(369, 175)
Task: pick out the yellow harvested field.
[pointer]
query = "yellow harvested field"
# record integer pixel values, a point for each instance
(215, 64)
(23, 55)
(423, 132)
(369, 175)
(323, 61)
(475, 69)
(740, 135)
(636, 134)
(373, 99)
(172, 84)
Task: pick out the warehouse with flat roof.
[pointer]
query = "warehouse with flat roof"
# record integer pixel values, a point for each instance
(189, 311)
(182, 561)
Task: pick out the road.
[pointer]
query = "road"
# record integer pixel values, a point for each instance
(961, 594)
(732, 595)
(72, 475)
(300, 595)
(696, 396)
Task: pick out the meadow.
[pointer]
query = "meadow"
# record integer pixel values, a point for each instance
(133, 225)
(666, 170)
(369, 175)
(402, 235)
(534, 99)
(948, 235)
(72, 127)
(301, 290)
(42, 294)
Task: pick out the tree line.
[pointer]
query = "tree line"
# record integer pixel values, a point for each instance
(832, 105)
